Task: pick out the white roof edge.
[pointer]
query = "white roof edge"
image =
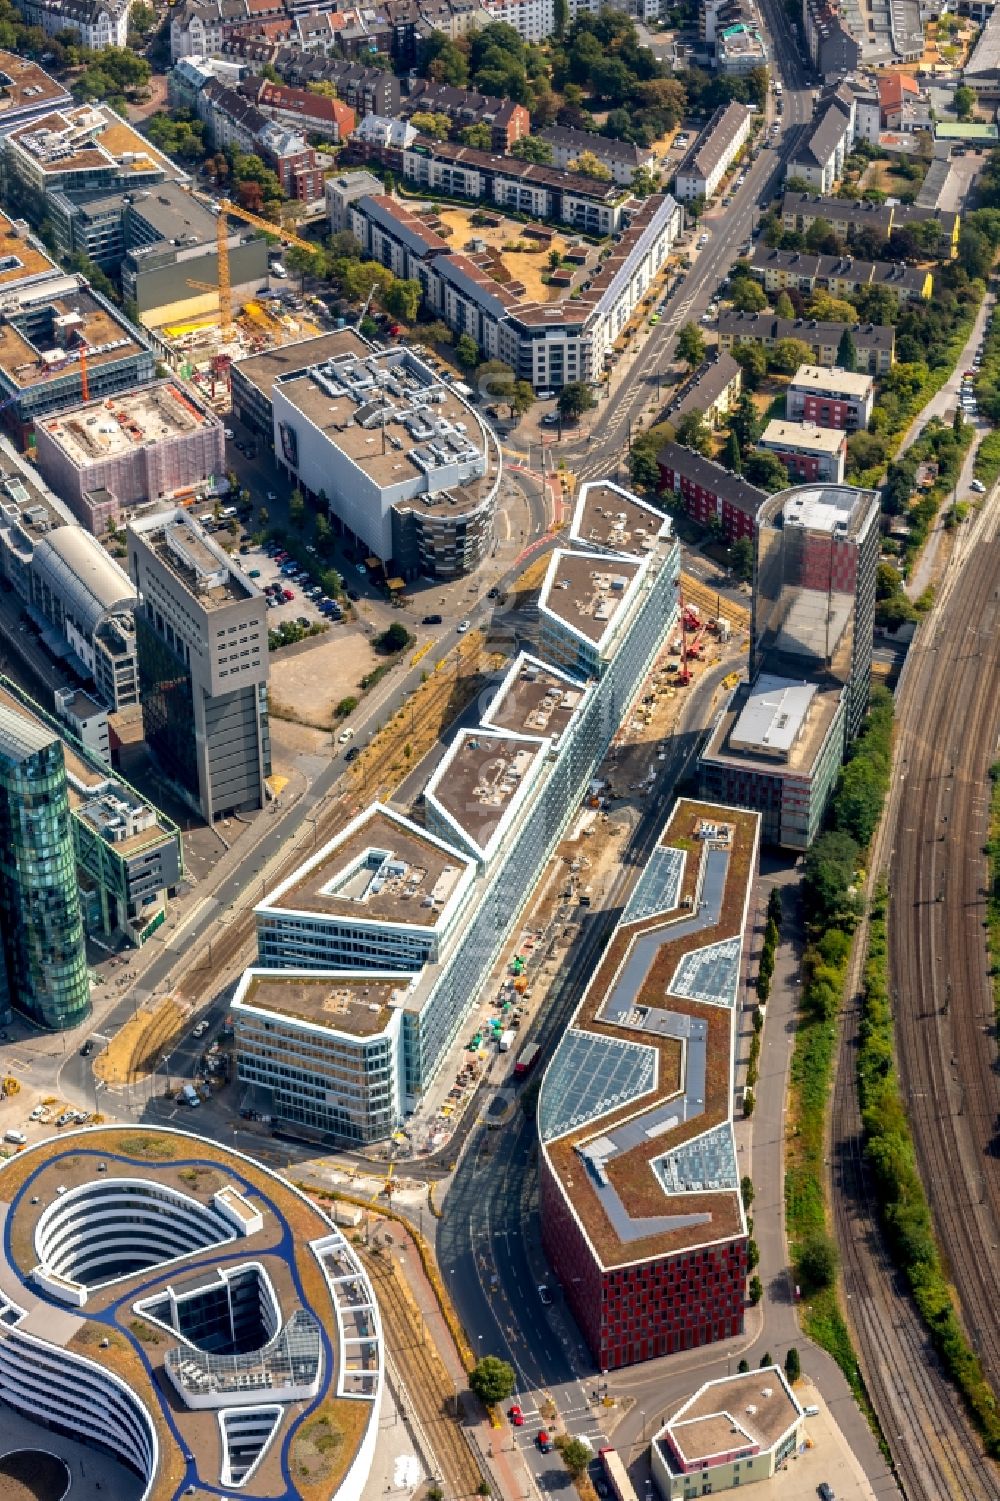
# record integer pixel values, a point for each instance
(271, 904)
(641, 564)
(537, 744)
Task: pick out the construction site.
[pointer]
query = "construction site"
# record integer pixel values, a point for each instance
(225, 324)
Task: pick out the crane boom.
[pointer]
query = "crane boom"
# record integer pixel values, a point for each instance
(224, 288)
(368, 302)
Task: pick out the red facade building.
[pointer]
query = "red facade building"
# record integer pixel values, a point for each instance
(709, 492)
(641, 1213)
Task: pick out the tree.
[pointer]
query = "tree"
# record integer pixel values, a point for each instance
(533, 149)
(694, 432)
(742, 1368)
(479, 136)
(766, 471)
(975, 254)
(748, 296)
(732, 457)
(793, 1366)
(403, 300)
(783, 306)
(589, 165)
(818, 1261)
(691, 345)
(576, 1456)
(788, 354)
(752, 360)
(493, 1380)
(965, 101)
(642, 465)
(467, 352)
(433, 125)
(575, 398)
(555, 260)
(560, 17)
(296, 507)
(644, 182)
(142, 18)
(744, 422)
(847, 354)
(394, 638)
(746, 1190)
(828, 876)
(765, 1360)
(829, 309)
(741, 557)
(522, 398)
(346, 706)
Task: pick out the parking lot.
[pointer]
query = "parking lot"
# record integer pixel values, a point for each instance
(292, 593)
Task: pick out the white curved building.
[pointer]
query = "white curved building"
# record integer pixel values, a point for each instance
(139, 1264)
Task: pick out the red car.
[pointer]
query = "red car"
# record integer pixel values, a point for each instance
(544, 1442)
(287, 594)
(516, 1416)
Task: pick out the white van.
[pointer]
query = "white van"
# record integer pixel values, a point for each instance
(190, 1095)
(16, 1138)
(278, 270)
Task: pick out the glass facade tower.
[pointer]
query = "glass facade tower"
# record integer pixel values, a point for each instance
(41, 925)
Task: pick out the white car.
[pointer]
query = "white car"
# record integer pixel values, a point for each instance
(463, 626)
(346, 735)
(229, 432)
(978, 486)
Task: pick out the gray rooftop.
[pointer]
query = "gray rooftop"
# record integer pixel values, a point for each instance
(773, 716)
(20, 737)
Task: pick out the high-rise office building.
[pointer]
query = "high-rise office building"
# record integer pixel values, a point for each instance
(779, 742)
(201, 632)
(815, 563)
(44, 958)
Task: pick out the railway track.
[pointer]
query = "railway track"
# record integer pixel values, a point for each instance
(428, 1387)
(947, 718)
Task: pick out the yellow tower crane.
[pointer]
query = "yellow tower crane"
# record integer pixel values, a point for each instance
(224, 287)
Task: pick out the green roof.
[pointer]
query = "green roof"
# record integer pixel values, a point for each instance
(975, 130)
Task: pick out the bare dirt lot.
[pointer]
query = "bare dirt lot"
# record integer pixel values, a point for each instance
(309, 680)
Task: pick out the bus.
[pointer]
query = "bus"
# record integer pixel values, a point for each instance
(617, 1475)
(526, 1060)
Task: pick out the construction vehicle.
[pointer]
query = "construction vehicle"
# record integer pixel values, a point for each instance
(223, 287)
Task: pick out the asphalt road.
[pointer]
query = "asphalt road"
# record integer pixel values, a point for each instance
(728, 232)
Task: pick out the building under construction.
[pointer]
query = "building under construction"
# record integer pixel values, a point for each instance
(158, 443)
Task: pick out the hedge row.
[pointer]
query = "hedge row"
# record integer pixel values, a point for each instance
(903, 1204)
(831, 913)
(987, 465)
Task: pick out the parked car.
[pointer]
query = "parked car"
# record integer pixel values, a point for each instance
(463, 626)
(544, 1295)
(516, 1416)
(288, 595)
(433, 619)
(353, 754)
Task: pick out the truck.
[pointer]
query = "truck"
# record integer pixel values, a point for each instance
(506, 1041)
(526, 1060)
(190, 1095)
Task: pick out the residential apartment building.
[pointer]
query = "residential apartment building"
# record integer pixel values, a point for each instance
(43, 957)
(712, 391)
(409, 470)
(830, 397)
(95, 25)
(808, 452)
(157, 443)
(819, 159)
(542, 192)
(622, 158)
(639, 1178)
(840, 275)
(508, 121)
(548, 344)
(874, 343)
(800, 211)
(386, 937)
(201, 630)
(829, 40)
(701, 171)
(300, 109)
(710, 493)
(534, 20)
